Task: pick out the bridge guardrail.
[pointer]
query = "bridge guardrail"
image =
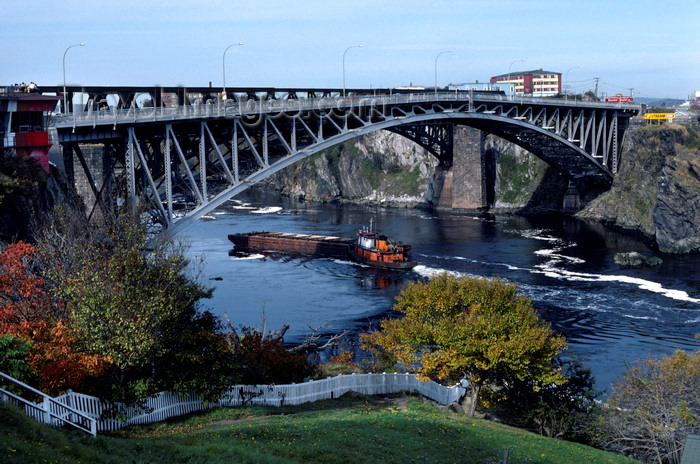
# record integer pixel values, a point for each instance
(252, 107)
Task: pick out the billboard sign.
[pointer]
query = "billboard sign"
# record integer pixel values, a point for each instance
(659, 115)
(619, 99)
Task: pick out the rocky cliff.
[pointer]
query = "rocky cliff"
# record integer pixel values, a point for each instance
(380, 168)
(656, 194)
(390, 169)
(521, 181)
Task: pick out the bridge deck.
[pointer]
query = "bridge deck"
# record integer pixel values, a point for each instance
(248, 107)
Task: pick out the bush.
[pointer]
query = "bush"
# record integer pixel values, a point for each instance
(262, 359)
(13, 354)
(477, 329)
(654, 408)
(554, 410)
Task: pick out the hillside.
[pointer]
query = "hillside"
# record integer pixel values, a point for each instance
(399, 429)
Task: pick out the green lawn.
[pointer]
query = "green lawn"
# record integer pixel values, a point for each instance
(348, 430)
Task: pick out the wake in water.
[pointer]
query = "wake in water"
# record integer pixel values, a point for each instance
(643, 284)
(432, 272)
(555, 268)
(551, 269)
(267, 210)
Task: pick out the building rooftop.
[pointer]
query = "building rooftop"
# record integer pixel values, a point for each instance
(520, 73)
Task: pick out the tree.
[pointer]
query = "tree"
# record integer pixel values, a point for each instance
(477, 329)
(13, 353)
(28, 312)
(590, 96)
(654, 408)
(555, 410)
(262, 359)
(137, 306)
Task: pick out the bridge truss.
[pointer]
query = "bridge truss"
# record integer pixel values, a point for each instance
(188, 160)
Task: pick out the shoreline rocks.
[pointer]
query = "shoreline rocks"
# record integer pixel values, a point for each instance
(636, 259)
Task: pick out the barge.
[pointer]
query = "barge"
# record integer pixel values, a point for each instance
(322, 245)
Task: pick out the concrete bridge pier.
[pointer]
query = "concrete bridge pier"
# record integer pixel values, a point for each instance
(464, 184)
(571, 202)
(89, 166)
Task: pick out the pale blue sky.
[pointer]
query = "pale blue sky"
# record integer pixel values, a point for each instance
(652, 46)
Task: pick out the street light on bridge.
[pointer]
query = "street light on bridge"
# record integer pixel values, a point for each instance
(346, 50)
(509, 66)
(65, 107)
(436, 58)
(223, 93)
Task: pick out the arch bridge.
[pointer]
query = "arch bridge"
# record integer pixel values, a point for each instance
(188, 159)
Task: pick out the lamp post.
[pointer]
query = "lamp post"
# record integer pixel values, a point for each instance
(436, 58)
(510, 66)
(65, 107)
(346, 50)
(223, 67)
(566, 82)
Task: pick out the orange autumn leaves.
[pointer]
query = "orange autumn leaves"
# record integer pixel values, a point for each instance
(29, 312)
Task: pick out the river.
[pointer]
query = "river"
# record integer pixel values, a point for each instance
(609, 315)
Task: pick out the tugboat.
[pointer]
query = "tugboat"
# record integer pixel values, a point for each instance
(379, 251)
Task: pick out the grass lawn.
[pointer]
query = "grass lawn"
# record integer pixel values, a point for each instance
(400, 429)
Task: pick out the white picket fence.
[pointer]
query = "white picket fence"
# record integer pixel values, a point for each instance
(76, 408)
(48, 410)
(165, 405)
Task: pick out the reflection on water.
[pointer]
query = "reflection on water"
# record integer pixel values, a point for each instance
(609, 315)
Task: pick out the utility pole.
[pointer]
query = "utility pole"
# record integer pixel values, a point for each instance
(596, 87)
(631, 89)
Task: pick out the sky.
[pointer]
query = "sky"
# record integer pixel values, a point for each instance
(651, 47)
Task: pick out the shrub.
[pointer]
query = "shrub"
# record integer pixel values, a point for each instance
(654, 408)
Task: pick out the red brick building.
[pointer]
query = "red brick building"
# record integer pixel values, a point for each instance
(537, 83)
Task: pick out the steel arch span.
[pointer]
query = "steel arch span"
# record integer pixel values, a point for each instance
(170, 154)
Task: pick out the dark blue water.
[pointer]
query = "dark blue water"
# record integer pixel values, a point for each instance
(609, 315)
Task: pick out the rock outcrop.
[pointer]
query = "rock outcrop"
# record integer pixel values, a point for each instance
(389, 169)
(656, 193)
(522, 182)
(380, 168)
(636, 259)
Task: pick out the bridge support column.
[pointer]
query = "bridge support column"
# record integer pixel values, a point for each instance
(469, 169)
(572, 199)
(91, 169)
(441, 187)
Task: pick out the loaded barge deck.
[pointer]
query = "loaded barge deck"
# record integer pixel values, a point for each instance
(296, 243)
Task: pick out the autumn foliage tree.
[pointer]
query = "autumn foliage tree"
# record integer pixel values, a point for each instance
(262, 358)
(30, 313)
(654, 408)
(136, 305)
(477, 329)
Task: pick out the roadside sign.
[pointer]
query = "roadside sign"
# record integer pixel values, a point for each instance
(659, 115)
(619, 99)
